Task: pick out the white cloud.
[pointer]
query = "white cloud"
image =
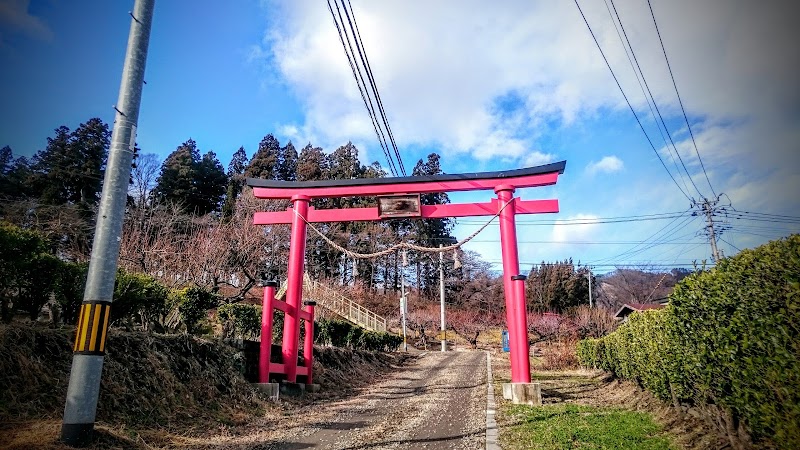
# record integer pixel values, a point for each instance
(441, 67)
(485, 83)
(564, 231)
(537, 158)
(608, 164)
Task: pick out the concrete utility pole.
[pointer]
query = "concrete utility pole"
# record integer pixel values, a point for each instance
(441, 297)
(708, 209)
(403, 307)
(590, 289)
(89, 349)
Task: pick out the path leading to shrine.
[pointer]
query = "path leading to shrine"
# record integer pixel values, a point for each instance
(437, 401)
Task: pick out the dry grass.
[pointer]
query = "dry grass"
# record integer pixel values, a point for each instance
(157, 391)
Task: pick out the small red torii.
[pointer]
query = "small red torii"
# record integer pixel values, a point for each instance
(506, 206)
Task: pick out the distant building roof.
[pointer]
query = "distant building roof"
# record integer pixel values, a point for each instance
(628, 308)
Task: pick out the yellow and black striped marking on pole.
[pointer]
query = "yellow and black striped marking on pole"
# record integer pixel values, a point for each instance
(90, 338)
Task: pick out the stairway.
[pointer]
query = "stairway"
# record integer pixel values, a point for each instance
(332, 301)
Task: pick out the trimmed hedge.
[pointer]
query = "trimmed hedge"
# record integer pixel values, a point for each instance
(730, 337)
(339, 333)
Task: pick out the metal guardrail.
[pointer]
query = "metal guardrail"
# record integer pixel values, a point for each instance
(331, 300)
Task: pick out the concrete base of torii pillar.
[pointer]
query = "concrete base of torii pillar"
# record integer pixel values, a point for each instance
(523, 393)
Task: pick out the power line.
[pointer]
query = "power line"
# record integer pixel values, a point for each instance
(373, 108)
(636, 116)
(680, 102)
(365, 61)
(650, 93)
(636, 250)
(733, 246)
(492, 241)
(649, 103)
(599, 220)
(359, 81)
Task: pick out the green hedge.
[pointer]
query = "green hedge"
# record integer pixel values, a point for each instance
(339, 333)
(730, 337)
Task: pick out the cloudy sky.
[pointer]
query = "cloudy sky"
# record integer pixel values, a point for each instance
(487, 85)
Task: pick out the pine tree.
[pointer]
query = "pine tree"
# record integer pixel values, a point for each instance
(198, 184)
(287, 163)
(18, 179)
(210, 183)
(265, 160)
(50, 169)
(236, 180)
(312, 164)
(6, 163)
(344, 163)
(89, 146)
(71, 168)
(175, 184)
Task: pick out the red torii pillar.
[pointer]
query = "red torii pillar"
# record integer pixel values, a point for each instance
(503, 183)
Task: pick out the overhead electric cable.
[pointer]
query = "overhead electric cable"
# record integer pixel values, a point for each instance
(663, 235)
(636, 116)
(650, 93)
(359, 81)
(680, 102)
(644, 94)
(732, 246)
(599, 220)
(373, 84)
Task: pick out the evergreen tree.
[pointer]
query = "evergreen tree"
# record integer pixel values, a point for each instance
(89, 146)
(236, 180)
(175, 184)
(6, 163)
(18, 178)
(238, 163)
(50, 169)
(6, 160)
(558, 286)
(265, 161)
(210, 183)
(344, 163)
(287, 163)
(71, 168)
(312, 164)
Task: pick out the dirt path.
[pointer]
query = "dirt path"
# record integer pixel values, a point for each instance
(438, 402)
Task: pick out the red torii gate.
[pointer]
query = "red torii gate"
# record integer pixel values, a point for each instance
(506, 206)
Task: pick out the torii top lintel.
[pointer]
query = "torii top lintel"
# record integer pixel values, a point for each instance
(528, 177)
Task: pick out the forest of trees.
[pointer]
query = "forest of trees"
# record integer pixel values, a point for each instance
(189, 223)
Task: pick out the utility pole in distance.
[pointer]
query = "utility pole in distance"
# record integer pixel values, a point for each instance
(89, 349)
(590, 288)
(709, 207)
(441, 297)
(403, 307)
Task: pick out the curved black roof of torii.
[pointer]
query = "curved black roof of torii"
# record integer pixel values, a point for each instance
(547, 168)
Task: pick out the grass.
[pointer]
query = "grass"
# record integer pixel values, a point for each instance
(570, 426)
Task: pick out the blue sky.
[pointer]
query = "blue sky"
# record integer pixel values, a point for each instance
(488, 86)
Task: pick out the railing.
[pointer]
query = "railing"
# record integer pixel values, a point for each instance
(331, 300)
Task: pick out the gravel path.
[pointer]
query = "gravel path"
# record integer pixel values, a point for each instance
(437, 402)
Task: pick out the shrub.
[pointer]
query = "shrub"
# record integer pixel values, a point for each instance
(338, 333)
(192, 305)
(241, 320)
(28, 271)
(138, 298)
(69, 290)
(730, 338)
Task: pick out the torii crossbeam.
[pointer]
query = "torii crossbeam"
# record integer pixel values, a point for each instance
(506, 206)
